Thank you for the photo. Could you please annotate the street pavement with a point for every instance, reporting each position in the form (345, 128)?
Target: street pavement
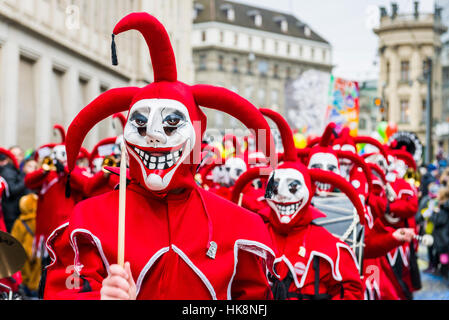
(434, 287)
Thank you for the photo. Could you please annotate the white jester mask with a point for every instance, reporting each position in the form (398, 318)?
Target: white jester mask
(59, 153)
(160, 137)
(327, 162)
(234, 168)
(287, 193)
(219, 174)
(345, 164)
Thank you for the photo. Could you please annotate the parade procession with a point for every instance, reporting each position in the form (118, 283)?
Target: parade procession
(160, 208)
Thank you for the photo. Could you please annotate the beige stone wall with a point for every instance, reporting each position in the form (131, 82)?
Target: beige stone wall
(67, 47)
(406, 39)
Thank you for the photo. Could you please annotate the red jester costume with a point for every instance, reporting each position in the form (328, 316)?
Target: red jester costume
(182, 242)
(50, 185)
(311, 263)
(393, 207)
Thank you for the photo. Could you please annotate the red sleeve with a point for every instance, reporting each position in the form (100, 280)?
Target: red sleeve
(63, 283)
(350, 286)
(250, 281)
(34, 180)
(94, 182)
(379, 240)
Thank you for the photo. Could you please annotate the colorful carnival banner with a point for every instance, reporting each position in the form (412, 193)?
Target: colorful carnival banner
(306, 101)
(343, 107)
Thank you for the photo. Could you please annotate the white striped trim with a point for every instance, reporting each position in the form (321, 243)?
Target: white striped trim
(47, 186)
(196, 270)
(254, 247)
(97, 243)
(47, 243)
(148, 266)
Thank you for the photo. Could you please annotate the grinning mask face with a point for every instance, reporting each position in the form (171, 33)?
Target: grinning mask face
(345, 164)
(59, 154)
(326, 162)
(234, 168)
(287, 193)
(159, 136)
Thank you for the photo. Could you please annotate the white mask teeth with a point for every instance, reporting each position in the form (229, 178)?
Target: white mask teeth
(159, 162)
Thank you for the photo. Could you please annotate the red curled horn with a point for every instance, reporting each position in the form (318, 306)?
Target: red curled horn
(158, 42)
(343, 185)
(11, 156)
(121, 118)
(313, 142)
(374, 167)
(359, 161)
(61, 131)
(244, 179)
(224, 100)
(373, 142)
(303, 155)
(286, 134)
(107, 104)
(404, 156)
(328, 134)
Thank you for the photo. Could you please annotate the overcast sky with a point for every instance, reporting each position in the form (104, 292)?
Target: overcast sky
(347, 25)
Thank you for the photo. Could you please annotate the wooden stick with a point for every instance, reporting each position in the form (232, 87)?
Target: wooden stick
(240, 199)
(122, 209)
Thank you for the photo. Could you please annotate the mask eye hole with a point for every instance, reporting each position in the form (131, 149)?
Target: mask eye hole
(294, 186)
(172, 122)
(140, 122)
(317, 166)
(238, 172)
(331, 167)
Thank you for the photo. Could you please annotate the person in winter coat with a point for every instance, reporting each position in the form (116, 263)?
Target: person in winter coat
(423, 219)
(440, 219)
(9, 170)
(23, 230)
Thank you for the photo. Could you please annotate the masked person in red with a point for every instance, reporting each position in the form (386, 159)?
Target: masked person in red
(311, 262)
(181, 242)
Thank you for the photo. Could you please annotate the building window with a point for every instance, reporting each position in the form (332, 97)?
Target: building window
(405, 112)
(250, 67)
(276, 71)
(250, 42)
(324, 55)
(221, 36)
(231, 14)
(261, 96)
(236, 39)
(300, 51)
(405, 71)
(276, 47)
(263, 67)
(423, 111)
(275, 98)
(284, 26)
(388, 72)
(288, 49)
(221, 63)
(235, 65)
(203, 36)
(362, 124)
(249, 92)
(288, 72)
(202, 65)
(258, 20)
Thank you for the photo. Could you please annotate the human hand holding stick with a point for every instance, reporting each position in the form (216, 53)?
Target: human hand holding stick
(120, 285)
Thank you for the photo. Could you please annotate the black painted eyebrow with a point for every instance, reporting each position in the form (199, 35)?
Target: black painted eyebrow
(138, 116)
(177, 114)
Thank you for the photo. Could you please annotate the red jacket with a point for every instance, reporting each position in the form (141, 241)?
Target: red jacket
(53, 207)
(166, 244)
(339, 277)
